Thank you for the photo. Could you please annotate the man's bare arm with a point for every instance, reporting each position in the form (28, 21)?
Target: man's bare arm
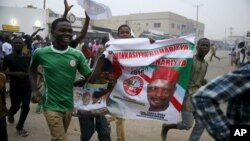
(67, 9)
(83, 31)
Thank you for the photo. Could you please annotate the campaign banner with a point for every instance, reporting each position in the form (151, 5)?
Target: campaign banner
(95, 10)
(86, 104)
(151, 78)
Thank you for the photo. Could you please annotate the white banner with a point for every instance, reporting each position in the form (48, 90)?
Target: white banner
(95, 10)
(152, 78)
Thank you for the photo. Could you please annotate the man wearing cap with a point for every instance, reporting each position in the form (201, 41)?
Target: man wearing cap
(161, 88)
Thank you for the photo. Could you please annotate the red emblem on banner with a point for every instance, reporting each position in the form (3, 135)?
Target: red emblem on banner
(133, 85)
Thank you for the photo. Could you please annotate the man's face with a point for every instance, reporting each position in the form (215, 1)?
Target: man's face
(203, 47)
(124, 32)
(63, 33)
(17, 44)
(159, 93)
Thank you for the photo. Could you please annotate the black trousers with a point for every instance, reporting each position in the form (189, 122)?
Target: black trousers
(3, 129)
(20, 98)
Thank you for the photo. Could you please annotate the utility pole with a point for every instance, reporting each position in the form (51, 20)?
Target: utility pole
(44, 4)
(225, 44)
(231, 32)
(197, 22)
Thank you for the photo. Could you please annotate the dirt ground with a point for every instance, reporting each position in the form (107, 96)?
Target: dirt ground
(135, 130)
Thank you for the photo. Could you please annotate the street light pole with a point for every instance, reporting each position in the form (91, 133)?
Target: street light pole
(44, 4)
(197, 23)
(225, 44)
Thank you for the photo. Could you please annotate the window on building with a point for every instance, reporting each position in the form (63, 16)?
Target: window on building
(183, 26)
(54, 15)
(201, 32)
(172, 25)
(157, 24)
(178, 27)
(50, 14)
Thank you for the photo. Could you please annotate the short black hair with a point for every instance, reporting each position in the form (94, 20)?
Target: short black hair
(201, 40)
(16, 37)
(241, 44)
(124, 25)
(56, 21)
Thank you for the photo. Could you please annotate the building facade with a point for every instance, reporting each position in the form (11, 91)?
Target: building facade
(22, 20)
(29, 19)
(167, 23)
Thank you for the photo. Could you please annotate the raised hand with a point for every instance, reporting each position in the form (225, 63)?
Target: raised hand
(67, 6)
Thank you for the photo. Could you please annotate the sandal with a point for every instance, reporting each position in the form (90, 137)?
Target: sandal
(22, 132)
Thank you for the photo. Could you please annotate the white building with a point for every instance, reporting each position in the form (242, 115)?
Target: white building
(23, 20)
(28, 20)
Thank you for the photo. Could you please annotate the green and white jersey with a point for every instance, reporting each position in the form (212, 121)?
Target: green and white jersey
(59, 72)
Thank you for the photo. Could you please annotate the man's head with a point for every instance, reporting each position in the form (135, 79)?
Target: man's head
(17, 44)
(241, 44)
(124, 31)
(62, 32)
(203, 47)
(161, 88)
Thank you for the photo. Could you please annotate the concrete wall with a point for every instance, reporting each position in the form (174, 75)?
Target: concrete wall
(26, 19)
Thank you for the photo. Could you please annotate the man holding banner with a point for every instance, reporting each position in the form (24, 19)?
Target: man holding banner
(196, 80)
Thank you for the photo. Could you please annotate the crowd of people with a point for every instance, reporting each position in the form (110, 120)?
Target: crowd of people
(22, 58)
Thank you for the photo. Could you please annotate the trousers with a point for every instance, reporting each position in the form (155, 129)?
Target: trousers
(187, 122)
(88, 126)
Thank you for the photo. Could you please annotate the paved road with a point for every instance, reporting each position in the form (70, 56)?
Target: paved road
(136, 130)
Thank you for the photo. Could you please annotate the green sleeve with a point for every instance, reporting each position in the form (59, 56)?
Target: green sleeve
(35, 59)
(83, 67)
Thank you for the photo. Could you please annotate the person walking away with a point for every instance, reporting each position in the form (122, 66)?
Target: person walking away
(15, 66)
(213, 53)
(196, 80)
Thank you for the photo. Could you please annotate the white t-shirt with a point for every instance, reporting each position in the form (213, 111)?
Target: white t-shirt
(7, 48)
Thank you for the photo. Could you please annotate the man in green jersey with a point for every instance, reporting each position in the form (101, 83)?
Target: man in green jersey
(60, 64)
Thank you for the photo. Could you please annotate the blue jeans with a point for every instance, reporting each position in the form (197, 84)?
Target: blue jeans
(187, 122)
(88, 125)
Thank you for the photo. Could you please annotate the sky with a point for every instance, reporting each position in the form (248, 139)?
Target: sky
(221, 17)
